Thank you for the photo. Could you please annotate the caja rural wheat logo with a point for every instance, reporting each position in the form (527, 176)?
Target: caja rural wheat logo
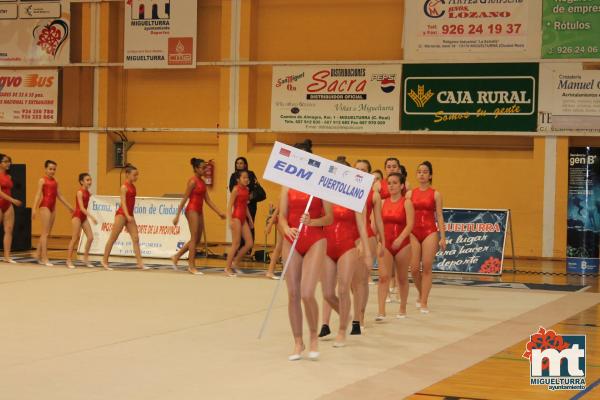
(556, 361)
(420, 97)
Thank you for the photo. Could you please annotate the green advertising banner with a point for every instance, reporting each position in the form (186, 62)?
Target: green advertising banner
(571, 29)
(470, 97)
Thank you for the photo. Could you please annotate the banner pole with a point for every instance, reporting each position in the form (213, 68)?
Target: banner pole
(512, 241)
(285, 267)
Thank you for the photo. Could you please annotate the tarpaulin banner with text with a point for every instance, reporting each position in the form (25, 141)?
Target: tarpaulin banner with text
(318, 176)
(28, 96)
(160, 34)
(159, 238)
(571, 29)
(34, 32)
(576, 100)
(474, 29)
(583, 211)
(470, 97)
(351, 98)
(475, 241)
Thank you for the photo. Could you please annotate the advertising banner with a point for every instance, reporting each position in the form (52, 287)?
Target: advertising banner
(583, 211)
(474, 29)
(349, 98)
(29, 96)
(475, 241)
(576, 100)
(470, 97)
(571, 29)
(34, 32)
(160, 34)
(318, 176)
(159, 238)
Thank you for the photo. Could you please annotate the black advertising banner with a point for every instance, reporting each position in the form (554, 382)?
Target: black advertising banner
(475, 241)
(470, 97)
(583, 211)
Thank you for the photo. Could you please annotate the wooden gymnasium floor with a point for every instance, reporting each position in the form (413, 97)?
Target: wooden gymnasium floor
(93, 334)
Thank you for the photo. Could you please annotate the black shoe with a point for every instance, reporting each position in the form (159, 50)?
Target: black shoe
(355, 328)
(325, 331)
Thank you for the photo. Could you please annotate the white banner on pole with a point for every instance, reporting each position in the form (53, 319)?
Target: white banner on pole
(318, 176)
(159, 238)
(29, 96)
(160, 33)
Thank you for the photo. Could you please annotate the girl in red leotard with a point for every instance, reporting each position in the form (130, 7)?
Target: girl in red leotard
(7, 212)
(373, 219)
(398, 218)
(304, 268)
(425, 240)
(240, 222)
(124, 218)
(344, 261)
(79, 221)
(197, 194)
(45, 202)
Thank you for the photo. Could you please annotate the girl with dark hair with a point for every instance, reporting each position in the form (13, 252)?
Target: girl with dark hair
(241, 164)
(45, 202)
(378, 175)
(398, 219)
(7, 212)
(124, 218)
(240, 222)
(425, 240)
(197, 194)
(304, 265)
(79, 221)
(344, 261)
(373, 219)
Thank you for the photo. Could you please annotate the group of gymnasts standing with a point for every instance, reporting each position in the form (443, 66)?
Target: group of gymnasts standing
(48, 193)
(401, 227)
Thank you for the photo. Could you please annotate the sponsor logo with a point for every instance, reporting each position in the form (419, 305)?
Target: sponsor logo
(434, 8)
(387, 81)
(35, 80)
(150, 9)
(438, 9)
(285, 152)
(291, 169)
(314, 163)
(288, 81)
(332, 169)
(420, 97)
(358, 178)
(556, 361)
(181, 51)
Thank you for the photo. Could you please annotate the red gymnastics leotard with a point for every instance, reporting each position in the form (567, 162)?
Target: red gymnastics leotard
(394, 222)
(129, 199)
(6, 185)
(370, 232)
(342, 234)
(384, 192)
(86, 200)
(241, 203)
(197, 196)
(309, 234)
(49, 191)
(424, 203)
